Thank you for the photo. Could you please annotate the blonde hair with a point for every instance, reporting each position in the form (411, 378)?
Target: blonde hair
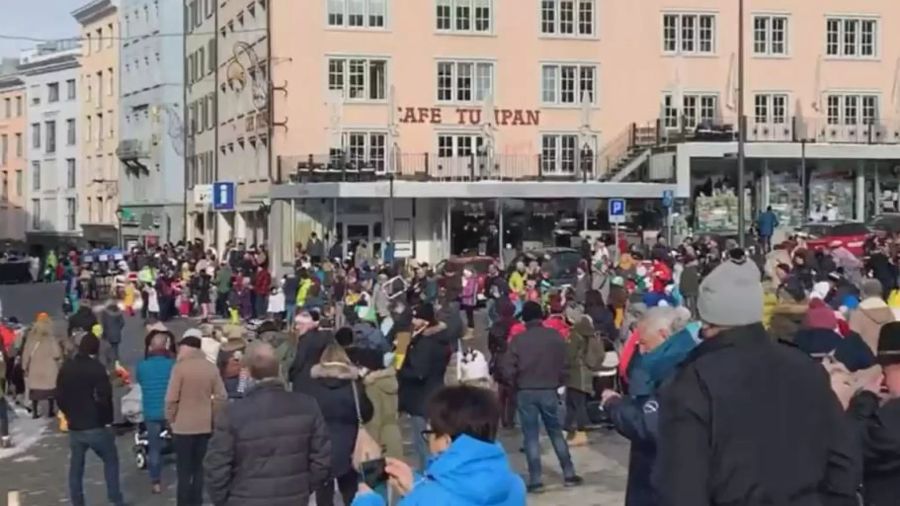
(334, 353)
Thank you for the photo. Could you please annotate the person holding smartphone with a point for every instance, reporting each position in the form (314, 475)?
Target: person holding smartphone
(468, 465)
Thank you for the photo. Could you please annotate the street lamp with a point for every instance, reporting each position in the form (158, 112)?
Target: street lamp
(741, 128)
(119, 214)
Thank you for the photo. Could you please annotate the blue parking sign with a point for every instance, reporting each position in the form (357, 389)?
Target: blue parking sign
(616, 210)
(223, 196)
(668, 198)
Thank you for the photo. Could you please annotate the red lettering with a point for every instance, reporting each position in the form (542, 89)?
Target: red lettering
(505, 116)
(423, 114)
(519, 118)
(534, 117)
(475, 116)
(461, 119)
(436, 116)
(409, 115)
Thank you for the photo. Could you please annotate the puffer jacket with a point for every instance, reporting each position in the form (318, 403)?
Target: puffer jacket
(270, 448)
(382, 390)
(332, 388)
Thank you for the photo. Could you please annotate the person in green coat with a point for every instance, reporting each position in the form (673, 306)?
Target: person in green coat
(580, 383)
(223, 287)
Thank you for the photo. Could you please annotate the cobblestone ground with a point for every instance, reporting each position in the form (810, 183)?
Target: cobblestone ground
(37, 466)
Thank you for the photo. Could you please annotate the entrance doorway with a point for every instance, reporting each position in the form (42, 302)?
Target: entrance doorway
(361, 230)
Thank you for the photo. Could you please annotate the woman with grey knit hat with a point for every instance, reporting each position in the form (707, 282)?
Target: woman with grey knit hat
(747, 419)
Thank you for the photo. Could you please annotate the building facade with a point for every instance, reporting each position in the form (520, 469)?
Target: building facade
(545, 105)
(201, 65)
(13, 215)
(151, 144)
(51, 72)
(242, 114)
(97, 211)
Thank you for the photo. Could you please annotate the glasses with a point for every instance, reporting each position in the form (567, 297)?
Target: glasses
(426, 434)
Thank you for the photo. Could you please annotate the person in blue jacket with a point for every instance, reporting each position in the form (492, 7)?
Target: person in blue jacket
(153, 374)
(766, 225)
(468, 466)
(664, 342)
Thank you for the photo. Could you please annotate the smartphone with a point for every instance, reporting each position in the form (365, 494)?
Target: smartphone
(373, 473)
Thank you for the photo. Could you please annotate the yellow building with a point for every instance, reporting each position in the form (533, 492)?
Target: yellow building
(98, 200)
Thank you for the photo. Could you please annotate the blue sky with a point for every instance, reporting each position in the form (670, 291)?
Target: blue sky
(36, 18)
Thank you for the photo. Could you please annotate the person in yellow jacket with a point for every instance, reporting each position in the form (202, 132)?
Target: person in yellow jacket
(517, 280)
(303, 290)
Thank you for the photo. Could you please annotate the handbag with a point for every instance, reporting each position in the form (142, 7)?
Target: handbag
(365, 448)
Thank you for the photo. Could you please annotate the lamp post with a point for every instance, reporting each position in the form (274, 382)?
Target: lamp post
(741, 128)
(119, 214)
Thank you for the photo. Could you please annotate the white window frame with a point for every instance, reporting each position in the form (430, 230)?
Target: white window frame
(369, 135)
(367, 92)
(368, 14)
(473, 6)
(763, 38)
(556, 100)
(476, 140)
(767, 114)
(552, 28)
(861, 102)
(843, 47)
(554, 166)
(696, 30)
(476, 76)
(681, 113)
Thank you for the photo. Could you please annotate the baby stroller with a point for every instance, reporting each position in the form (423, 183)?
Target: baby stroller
(141, 446)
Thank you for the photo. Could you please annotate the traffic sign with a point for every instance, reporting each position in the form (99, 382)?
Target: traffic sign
(668, 198)
(617, 210)
(223, 196)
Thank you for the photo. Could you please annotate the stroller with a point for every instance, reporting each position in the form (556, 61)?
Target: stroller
(141, 446)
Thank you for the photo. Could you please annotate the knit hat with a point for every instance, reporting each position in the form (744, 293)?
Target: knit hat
(731, 295)
(192, 341)
(89, 345)
(820, 316)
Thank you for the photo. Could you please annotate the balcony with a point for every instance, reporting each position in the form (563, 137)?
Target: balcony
(788, 129)
(130, 152)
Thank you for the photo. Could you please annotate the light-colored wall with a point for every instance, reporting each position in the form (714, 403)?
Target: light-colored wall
(54, 190)
(12, 205)
(628, 49)
(100, 166)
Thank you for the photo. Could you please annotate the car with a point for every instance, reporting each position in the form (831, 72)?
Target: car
(455, 264)
(851, 235)
(885, 224)
(561, 263)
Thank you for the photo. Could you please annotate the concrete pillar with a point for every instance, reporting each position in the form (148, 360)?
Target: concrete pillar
(764, 186)
(860, 192)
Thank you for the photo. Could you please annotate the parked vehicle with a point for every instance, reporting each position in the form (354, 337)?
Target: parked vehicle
(887, 223)
(560, 263)
(851, 235)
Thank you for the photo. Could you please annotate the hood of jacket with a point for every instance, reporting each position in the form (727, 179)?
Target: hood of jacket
(476, 473)
(384, 380)
(334, 374)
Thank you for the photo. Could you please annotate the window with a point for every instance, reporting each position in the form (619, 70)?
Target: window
(50, 126)
(7, 108)
(472, 16)
(770, 35)
(568, 84)
(70, 173)
(464, 81)
(695, 108)
(770, 108)
(109, 31)
(53, 92)
(18, 106)
(568, 18)
(357, 13)
(70, 89)
(89, 131)
(70, 132)
(561, 154)
(36, 135)
(70, 214)
(4, 191)
(20, 183)
(461, 145)
(851, 37)
(35, 93)
(109, 78)
(19, 145)
(367, 149)
(852, 109)
(36, 214)
(359, 79)
(689, 33)
(99, 128)
(35, 175)
(4, 148)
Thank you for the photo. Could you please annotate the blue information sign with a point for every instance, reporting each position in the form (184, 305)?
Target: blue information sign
(223, 196)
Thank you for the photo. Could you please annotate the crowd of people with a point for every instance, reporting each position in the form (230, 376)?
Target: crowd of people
(738, 376)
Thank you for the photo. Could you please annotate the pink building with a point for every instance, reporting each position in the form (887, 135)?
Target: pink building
(13, 215)
(403, 121)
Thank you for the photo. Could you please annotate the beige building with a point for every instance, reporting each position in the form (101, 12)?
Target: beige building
(99, 120)
(12, 153)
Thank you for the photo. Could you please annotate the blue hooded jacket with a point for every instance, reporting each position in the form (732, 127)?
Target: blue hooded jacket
(469, 473)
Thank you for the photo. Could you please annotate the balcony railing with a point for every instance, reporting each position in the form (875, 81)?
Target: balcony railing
(787, 129)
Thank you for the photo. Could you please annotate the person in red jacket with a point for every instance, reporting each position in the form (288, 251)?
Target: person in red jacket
(556, 320)
(262, 283)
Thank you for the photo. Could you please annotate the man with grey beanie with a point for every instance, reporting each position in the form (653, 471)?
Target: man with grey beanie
(747, 419)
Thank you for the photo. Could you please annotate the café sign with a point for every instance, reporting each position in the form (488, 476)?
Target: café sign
(468, 116)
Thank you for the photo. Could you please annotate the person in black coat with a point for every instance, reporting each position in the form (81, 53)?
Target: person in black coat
(747, 419)
(422, 371)
(113, 323)
(310, 345)
(272, 447)
(342, 398)
(83, 319)
(877, 423)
